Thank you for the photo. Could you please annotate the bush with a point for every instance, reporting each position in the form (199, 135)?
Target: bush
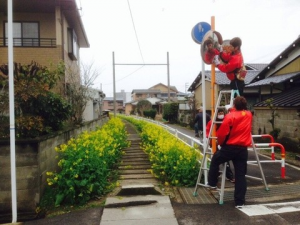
(86, 163)
(173, 162)
(150, 113)
(38, 111)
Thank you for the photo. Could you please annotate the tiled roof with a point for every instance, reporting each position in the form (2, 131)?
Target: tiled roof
(145, 91)
(282, 56)
(274, 79)
(222, 79)
(256, 66)
(289, 98)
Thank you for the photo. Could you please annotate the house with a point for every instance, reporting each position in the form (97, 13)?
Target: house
(93, 109)
(157, 95)
(108, 104)
(45, 32)
(159, 90)
(280, 81)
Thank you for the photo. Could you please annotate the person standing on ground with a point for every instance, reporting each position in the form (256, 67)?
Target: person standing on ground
(198, 122)
(233, 65)
(220, 117)
(234, 136)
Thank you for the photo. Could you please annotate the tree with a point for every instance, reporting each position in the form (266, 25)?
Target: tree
(78, 87)
(275, 131)
(143, 105)
(170, 112)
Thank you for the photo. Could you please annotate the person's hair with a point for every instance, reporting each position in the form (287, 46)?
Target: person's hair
(240, 103)
(221, 111)
(208, 41)
(236, 42)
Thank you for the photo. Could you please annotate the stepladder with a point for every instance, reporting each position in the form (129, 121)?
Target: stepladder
(224, 102)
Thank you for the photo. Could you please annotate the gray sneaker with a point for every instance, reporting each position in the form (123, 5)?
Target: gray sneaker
(210, 186)
(239, 206)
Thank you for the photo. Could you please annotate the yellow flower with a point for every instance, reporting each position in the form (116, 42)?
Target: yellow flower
(166, 183)
(76, 176)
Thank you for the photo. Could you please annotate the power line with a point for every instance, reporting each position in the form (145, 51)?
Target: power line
(135, 31)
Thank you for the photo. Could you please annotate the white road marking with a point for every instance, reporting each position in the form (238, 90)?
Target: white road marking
(265, 209)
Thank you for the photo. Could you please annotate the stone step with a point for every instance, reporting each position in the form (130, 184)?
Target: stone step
(133, 150)
(146, 166)
(137, 159)
(135, 163)
(133, 171)
(138, 181)
(136, 176)
(130, 156)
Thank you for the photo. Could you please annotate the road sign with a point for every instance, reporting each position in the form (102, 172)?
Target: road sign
(199, 30)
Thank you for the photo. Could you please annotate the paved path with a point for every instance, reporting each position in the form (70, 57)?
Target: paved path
(138, 200)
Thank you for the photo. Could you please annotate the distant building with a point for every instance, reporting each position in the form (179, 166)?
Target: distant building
(93, 109)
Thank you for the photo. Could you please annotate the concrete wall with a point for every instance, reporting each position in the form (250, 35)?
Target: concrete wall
(33, 159)
(288, 121)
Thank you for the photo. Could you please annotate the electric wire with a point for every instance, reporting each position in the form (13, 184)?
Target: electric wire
(135, 31)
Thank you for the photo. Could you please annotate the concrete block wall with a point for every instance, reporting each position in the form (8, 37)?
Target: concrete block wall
(33, 159)
(288, 121)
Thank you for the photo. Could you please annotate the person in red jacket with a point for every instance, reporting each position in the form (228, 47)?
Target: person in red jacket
(233, 64)
(234, 136)
(211, 52)
(220, 117)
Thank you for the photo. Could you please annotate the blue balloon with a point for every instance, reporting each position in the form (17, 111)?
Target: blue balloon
(199, 30)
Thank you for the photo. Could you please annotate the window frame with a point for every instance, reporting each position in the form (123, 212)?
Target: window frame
(22, 40)
(73, 47)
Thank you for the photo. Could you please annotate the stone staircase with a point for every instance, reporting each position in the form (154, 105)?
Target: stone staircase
(139, 199)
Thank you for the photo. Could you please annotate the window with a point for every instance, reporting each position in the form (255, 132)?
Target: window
(24, 34)
(72, 44)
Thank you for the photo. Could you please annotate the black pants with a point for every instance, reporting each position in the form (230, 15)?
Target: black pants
(238, 85)
(239, 157)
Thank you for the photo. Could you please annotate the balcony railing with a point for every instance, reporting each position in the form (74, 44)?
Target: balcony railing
(29, 42)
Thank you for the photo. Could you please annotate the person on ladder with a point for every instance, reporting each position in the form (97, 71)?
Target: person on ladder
(220, 117)
(234, 136)
(233, 65)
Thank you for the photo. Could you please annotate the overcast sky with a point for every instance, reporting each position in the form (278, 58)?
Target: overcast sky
(143, 31)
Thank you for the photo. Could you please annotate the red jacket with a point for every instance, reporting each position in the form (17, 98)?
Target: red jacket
(236, 124)
(209, 55)
(232, 63)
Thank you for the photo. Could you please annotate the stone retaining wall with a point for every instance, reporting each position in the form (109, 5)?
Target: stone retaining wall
(33, 159)
(288, 122)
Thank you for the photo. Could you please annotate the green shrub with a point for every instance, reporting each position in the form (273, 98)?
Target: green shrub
(173, 162)
(170, 112)
(86, 163)
(150, 113)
